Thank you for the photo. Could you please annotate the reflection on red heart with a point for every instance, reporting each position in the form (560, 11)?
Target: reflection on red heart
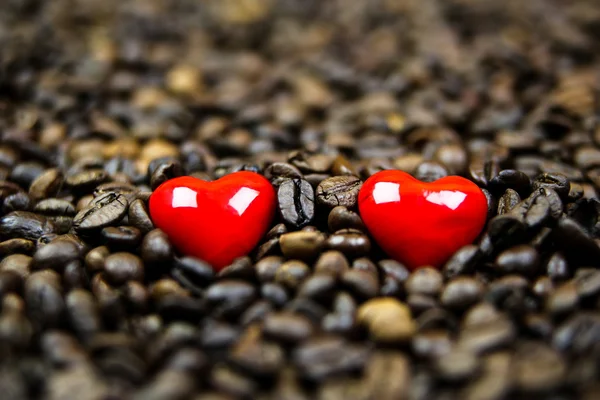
(420, 223)
(215, 221)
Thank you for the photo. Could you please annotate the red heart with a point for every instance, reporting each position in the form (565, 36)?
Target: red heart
(420, 223)
(215, 221)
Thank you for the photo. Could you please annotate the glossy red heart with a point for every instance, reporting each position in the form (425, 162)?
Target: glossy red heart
(420, 223)
(215, 221)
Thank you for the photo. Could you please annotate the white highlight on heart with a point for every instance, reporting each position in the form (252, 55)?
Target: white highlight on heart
(242, 199)
(386, 192)
(449, 198)
(184, 197)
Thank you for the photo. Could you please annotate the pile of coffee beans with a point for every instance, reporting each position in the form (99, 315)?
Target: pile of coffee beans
(102, 101)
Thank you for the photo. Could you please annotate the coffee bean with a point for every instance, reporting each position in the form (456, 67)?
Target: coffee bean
(520, 259)
(296, 202)
(457, 365)
(486, 337)
(302, 245)
(86, 181)
(102, 211)
(156, 248)
(350, 242)
(427, 281)
(230, 297)
(26, 225)
(17, 263)
(388, 320)
(121, 237)
(342, 218)
(164, 171)
(578, 335)
(55, 255)
(511, 179)
(324, 357)
(16, 246)
(461, 292)
(94, 260)
(83, 313)
(557, 182)
(361, 283)
(429, 171)
(291, 274)
(287, 328)
(462, 262)
(279, 172)
(122, 267)
(54, 207)
(538, 368)
(318, 286)
(138, 216)
(267, 267)
(332, 262)
(46, 185)
(45, 304)
(19, 201)
(508, 201)
(563, 300)
(256, 357)
(338, 191)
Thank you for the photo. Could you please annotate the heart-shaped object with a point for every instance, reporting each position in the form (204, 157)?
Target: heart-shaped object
(215, 221)
(419, 223)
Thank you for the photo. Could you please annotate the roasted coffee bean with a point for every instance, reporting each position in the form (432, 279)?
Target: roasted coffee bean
(16, 246)
(287, 328)
(138, 216)
(256, 357)
(520, 259)
(102, 211)
(94, 260)
(230, 297)
(46, 185)
(338, 191)
(122, 267)
(427, 281)
(291, 274)
(349, 242)
(55, 207)
(318, 286)
(55, 255)
(508, 201)
(511, 179)
(45, 304)
(578, 335)
(163, 172)
(279, 173)
(332, 262)
(25, 225)
(486, 337)
(321, 358)
(19, 201)
(296, 200)
(125, 189)
(462, 262)
(557, 267)
(557, 182)
(121, 237)
(83, 313)
(86, 181)
(429, 171)
(576, 245)
(461, 292)
(538, 368)
(10, 282)
(274, 293)
(156, 248)
(267, 267)
(431, 344)
(387, 319)
(361, 283)
(342, 218)
(17, 263)
(457, 365)
(302, 245)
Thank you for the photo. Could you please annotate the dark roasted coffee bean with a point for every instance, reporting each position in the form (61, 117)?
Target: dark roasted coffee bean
(121, 237)
(318, 286)
(431, 344)
(287, 328)
(10, 282)
(296, 200)
(427, 281)
(462, 262)
(25, 225)
(349, 242)
(256, 357)
(512, 179)
(19, 201)
(557, 182)
(486, 337)
(46, 185)
(138, 216)
(156, 248)
(429, 171)
(538, 368)
(267, 267)
(482, 172)
(94, 260)
(122, 267)
(332, 262)
(302, 245)
(508, 201)
(324, 357)
(83, 313)
(578, 335)
(395, 269)
(55, 207)
(361, 283)
(291, 274)
(16, 246)
(563, 299)
(339, 191)
(163, 172)
(102, 211)
(342, 218)
(576, 245)
(274, 293)
(230, 297)
(278, 173)
(256, 312)
(17, 263)
(461, 292)
(86, 181)
(45, 304)
(587, 281)
(55, 255)
(125, 189)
